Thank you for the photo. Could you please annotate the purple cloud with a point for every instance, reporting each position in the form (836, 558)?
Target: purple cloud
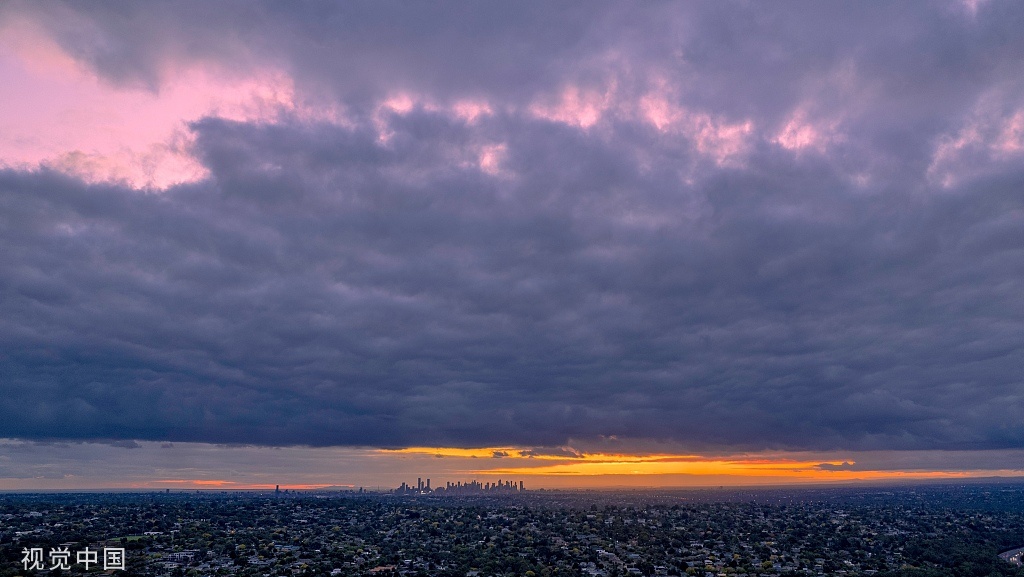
(727, 227)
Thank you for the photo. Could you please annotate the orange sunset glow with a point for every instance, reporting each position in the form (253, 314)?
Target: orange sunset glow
(568, 467)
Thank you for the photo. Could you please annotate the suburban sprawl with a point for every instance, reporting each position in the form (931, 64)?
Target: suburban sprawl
(955, 530)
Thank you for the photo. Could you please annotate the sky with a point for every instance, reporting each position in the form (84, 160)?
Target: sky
(581, 244)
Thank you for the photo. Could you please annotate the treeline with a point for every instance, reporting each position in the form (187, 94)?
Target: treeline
(969, 555)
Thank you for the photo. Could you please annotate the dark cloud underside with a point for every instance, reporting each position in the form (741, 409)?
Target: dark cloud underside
(328, 285)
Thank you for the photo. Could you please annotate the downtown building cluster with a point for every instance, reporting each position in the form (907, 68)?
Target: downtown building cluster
(473, 487)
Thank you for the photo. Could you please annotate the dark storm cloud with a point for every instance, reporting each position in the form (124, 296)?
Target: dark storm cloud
(564, 452)
(737, 59)
(380, 286)
(358, 49)
(844, 466)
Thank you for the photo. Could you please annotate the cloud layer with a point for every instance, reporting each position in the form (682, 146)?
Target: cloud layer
(726, 227)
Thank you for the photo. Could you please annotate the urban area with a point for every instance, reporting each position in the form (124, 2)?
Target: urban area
(491, 529)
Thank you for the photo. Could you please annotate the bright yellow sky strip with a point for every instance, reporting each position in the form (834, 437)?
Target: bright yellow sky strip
(519, 462)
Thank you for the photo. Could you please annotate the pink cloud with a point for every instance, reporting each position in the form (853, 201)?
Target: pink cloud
(803, 133)
(712, 136)
(1011, 137)
(60, 114)
(490, 158)
(987, 136)
(576, 106)
(471, 110)
(657, 110)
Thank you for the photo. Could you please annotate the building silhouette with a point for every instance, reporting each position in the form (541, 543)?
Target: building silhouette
(473, 487)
